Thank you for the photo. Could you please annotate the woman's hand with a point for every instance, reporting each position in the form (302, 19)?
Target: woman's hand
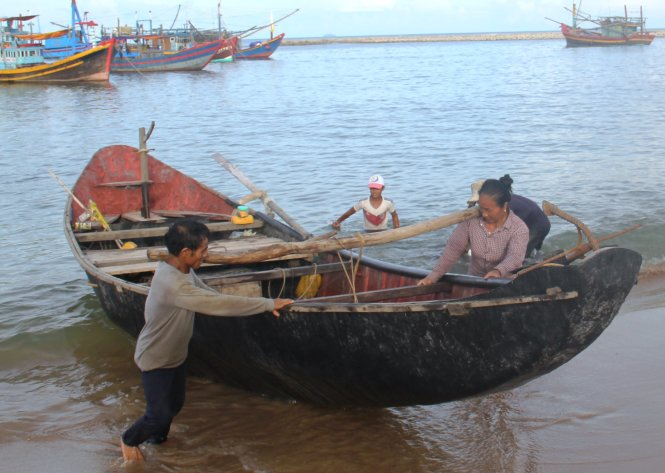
(426, 281)
(336, 224)
(493, 274)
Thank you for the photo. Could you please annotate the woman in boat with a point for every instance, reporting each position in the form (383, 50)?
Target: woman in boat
(176, 293)
(497, 239)
(375, 208)
(526, 209)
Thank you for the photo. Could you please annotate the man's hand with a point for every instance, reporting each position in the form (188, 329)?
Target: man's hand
(279, 304)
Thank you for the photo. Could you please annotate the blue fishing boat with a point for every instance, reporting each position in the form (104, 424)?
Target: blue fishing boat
(75, 39)
(260, 49)
(151, 54)
(22, 59)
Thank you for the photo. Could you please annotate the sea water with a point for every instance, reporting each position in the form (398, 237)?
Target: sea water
(581, 128)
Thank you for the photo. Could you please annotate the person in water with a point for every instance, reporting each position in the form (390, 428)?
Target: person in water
(497, 238)
(176, 293)
(375, 208)
(526, 209)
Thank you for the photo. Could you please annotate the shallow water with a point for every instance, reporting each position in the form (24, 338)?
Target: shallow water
(581, 128)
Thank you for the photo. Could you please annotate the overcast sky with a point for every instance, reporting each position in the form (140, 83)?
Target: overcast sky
(317, 18)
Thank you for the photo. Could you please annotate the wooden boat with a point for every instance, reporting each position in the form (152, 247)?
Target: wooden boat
(259, 50)
(21, 58)
(155, 58)
(367, 335)
(609, 30)
(225, 53)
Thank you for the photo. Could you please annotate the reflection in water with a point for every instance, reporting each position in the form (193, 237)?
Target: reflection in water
(481, 434)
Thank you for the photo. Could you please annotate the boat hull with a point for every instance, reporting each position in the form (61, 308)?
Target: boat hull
(576, 38)
(92, 65)
(225, 53)
(262, 51)
(191, 59)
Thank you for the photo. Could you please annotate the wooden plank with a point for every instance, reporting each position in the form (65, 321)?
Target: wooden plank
(273, 274)
(117, 262)
(191, 213)
(122, 184)
(159, 231)
(150, 266)
(455, 308)
(386, 294)
(116, 256)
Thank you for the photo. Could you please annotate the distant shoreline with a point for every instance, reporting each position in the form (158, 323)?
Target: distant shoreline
(430, 38)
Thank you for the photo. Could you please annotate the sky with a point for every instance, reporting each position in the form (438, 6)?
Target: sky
(317, 18)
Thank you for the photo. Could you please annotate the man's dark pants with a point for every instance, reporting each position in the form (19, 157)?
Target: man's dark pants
(164, 391)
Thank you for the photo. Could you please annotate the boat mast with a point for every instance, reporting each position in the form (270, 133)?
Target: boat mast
(272, 26)
(76, 19)
(219, 19)
(574, 16)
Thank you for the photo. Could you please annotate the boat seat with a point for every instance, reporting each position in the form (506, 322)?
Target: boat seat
(158, 231)
(116, 261)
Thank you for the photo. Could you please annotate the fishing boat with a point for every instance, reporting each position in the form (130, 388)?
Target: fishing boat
(259, 49)
(225, 53)
(608, 30)
(22, 60)
(75, 39)
(362, 332)
(153, 53)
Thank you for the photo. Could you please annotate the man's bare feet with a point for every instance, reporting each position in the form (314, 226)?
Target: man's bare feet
(131, 453)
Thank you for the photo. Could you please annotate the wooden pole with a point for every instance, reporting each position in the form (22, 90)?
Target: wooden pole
(334, 244)
(267, 201)
(143, 157)
(550, 209)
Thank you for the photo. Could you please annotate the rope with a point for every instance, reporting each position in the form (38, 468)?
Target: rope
(354, 269)
(281, 290)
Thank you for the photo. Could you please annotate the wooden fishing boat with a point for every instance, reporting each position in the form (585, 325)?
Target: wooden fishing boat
(21, 58)
(225, 53)
(155, 58)
(362, 333)
(607, 30)
(259, 49)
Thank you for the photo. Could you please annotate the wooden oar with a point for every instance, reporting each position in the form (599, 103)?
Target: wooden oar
(577, 251)
(334, 244)
(550, 209)
(258, 193)
(93, 211)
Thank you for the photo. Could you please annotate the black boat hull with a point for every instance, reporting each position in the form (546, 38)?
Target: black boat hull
(397, 358)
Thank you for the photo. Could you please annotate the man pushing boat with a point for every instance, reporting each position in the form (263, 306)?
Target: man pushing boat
(175, 295)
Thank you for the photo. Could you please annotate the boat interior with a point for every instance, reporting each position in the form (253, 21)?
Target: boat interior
(331, 277)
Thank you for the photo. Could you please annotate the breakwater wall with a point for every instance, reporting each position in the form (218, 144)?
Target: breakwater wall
(538, 35)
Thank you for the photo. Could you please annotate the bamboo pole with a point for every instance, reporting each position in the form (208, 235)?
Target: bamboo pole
(333, 244)
(267, 201)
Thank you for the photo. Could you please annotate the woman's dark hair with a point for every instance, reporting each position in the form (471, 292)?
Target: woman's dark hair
(507, 181)
(185, 234)
(497, 190)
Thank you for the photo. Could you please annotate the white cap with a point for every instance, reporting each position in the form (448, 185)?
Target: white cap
(475, 188)
(376, 182)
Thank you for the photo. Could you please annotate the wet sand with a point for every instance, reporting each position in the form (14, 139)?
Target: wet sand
(426, 38)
